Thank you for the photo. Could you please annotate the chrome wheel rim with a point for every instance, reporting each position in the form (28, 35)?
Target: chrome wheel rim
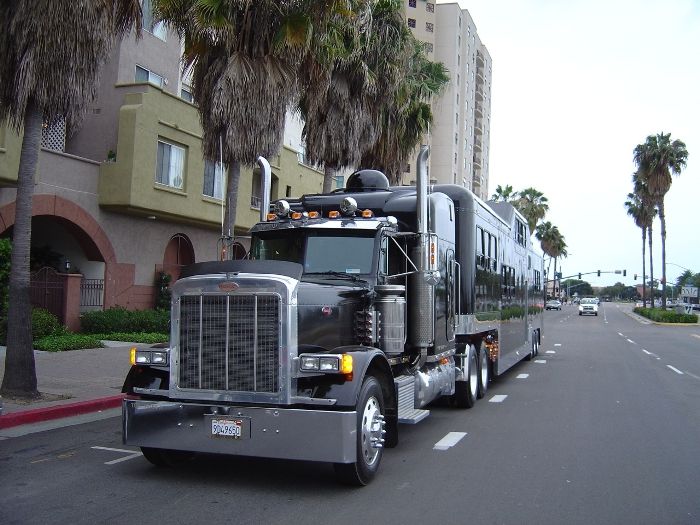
(372, 430)
(484, 368)
(473, 377)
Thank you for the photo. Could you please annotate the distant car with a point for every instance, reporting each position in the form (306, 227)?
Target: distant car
(552, 305)
(588, 306)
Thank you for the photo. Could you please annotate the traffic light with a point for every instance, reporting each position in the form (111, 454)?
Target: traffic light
(598, 273)
(624, 273)
(579, 277)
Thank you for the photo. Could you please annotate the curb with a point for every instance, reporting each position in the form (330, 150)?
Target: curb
(59, 411)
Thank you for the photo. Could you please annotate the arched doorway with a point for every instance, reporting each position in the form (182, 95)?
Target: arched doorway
(178, 253)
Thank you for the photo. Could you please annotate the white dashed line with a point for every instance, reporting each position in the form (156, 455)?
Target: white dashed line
(541, 361)
(498, 398)
(550, 352)
(522, 376)
(647, 352)
(557, 344)
(450, 440)
(620, 334)
(132, 454)
(630, 341)
(675, 369)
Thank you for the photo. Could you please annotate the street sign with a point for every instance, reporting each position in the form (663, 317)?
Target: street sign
(689, 291)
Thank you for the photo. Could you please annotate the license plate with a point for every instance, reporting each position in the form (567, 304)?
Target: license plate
(231, 428)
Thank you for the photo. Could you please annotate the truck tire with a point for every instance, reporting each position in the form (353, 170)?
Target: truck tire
(466, 392)
(370, 432)
(161, 457)
(484, 372)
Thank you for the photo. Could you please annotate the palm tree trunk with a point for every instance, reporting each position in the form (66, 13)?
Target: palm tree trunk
(651, 269)
(20, 369)
(555, 279)
(234, 178)
(644, 262)
(328, 178)
(662, 218)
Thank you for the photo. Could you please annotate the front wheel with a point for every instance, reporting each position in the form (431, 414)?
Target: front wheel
(370, 436)
(466, 392)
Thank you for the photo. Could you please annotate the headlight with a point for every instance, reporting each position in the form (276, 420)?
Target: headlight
(149, 356)
(326, 363)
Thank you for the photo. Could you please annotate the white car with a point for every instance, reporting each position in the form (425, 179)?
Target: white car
(588, 306)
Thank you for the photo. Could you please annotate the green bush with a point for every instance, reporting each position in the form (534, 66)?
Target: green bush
(58, 343)
(120, 319)
(140, 337)
(660, 315)
(45, 323)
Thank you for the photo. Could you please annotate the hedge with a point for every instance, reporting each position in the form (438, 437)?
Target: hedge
(120, 319)
(665, 316)
(58, 343)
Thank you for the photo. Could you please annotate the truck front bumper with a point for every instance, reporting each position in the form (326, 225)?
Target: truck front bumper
(284, 433)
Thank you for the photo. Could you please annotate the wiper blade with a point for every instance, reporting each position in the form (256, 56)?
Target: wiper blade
(341, 275)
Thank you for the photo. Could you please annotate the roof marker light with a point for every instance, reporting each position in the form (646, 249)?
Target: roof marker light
(333, 214)
(314, 215)
(367, 214)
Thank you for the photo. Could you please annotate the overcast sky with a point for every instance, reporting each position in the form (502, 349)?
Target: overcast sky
(577, 84)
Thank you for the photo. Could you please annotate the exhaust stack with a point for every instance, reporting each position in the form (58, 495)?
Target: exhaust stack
(265, 184)
(422, 290)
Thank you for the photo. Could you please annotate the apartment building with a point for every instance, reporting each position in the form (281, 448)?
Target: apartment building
(128, 194)
(459, 137)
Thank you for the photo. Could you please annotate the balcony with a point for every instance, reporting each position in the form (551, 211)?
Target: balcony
(477, 164)
(153, 124)
(10, 145)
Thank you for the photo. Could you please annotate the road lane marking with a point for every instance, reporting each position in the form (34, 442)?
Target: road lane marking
(550, 352)
(647, 352)
(522, 376)
(541, 361)
(620, 334)
(498, 398)
(450, 440)
(695, 335)
(557, 344)
(630, 341)
(131, 454)
(675, 370)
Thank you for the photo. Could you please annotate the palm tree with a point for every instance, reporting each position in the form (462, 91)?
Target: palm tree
(49, 61)
(643, 213)
(340, 90)
(657, 159)
(552, 243)
(403, 111)
(503, 194)
(533, 206)
(244, 58)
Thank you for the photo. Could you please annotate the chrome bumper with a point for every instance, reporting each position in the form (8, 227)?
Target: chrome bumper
(283, 433)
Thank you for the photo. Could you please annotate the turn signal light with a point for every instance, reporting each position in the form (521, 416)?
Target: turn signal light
(333, 214)
(314, 215)
(367, 214)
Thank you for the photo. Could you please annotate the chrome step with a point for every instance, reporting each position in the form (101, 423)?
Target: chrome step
(405, 392)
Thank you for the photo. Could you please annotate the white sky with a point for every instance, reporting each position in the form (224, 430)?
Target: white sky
(577, 84)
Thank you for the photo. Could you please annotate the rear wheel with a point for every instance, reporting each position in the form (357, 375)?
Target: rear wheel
(484, 372)
(370, 436)
(161, 457)
(466, 392)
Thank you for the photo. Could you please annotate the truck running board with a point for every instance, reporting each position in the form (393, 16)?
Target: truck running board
(405, 391)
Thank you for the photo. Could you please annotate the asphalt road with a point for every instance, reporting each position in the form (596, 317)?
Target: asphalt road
(604, 427)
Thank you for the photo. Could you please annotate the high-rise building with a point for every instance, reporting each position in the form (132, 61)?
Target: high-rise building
(459, 137)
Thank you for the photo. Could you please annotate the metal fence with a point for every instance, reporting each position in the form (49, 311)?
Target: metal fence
(92, 293)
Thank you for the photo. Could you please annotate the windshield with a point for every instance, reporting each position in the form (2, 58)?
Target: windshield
(588, 301)
(318, 251)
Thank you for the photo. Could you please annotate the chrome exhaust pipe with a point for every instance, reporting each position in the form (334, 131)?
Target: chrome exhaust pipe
(265, 186)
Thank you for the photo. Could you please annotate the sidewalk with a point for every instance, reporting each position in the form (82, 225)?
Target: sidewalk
(71, 383)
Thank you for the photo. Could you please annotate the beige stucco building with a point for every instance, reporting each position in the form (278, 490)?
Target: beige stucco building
(128, 195)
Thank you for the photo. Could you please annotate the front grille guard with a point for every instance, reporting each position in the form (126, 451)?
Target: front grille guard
(241, 375)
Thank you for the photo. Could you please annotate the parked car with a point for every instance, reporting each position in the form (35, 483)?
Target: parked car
(552, 305)
(588, 306)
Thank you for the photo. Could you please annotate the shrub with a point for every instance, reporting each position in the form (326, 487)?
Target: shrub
(45, 323)
(119, 319)
(58, 343)
(665, 316)
(140, 337)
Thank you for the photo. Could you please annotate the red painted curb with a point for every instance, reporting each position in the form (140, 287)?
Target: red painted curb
(58, 411)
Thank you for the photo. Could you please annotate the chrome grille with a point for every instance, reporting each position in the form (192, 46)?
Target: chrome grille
(230, 342)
